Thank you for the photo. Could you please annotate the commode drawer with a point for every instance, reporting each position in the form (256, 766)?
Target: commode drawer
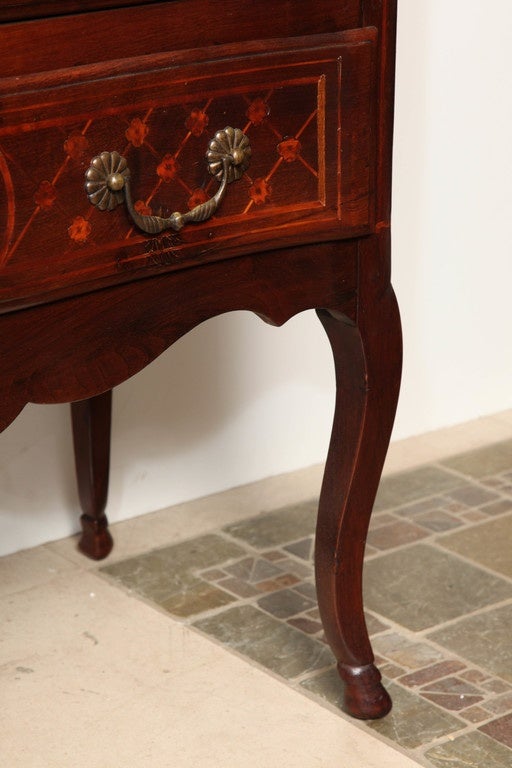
(304, 104)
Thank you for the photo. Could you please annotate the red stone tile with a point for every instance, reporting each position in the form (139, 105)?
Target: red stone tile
(474, 516)
(271, 585)
(452, 693)
(274, 555)
(434, 672)
(308, 626)
(475, 714)
(214, 574)
(454, 685)
(500, 730)
(384, 518)
(238, 587)
(451, 701)
(474, 675)
(391, 671)
(395, 535)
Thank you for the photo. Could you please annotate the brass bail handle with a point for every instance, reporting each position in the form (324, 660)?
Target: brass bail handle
(107, 181)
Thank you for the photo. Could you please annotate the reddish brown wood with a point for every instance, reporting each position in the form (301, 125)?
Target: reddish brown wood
(91, 421)
(367, 357)
(127, 76)
(309, 199)
(114, 333)
(73, 40)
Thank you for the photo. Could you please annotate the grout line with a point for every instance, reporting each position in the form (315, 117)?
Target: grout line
(432, 539)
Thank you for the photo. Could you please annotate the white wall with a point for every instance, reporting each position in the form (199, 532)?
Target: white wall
(237, 400)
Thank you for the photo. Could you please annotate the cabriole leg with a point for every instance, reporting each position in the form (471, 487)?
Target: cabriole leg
(368, 364)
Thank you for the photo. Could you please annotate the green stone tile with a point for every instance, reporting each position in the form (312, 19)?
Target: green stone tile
(408, 653)
(473, 495)
(411, 723)
(164, 572)
(198, 598)
(419, 587)
(437, 521)
(481, 462)
(473, 750)
(253, 569)
(285, 603)
(302, 548)
(307, 588)
(396, 534)
(489, 544)
(407, 487)
(500, 704)
(420, 507)
(498, 507)
(150, 576)
(374, 625)
(238, 587)
(273, 644)
(277, 528)
(483, 639)
(327, 685)
(200, 553)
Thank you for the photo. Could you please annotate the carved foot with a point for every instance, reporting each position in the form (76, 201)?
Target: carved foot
(365, 696)
(96, 541)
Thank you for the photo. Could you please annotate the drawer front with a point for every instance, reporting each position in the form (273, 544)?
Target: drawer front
(306, 106)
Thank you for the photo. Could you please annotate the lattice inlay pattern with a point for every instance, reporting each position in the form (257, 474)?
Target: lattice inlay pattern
(165, 147)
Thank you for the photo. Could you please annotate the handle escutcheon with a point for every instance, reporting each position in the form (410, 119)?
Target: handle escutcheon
(107, 181)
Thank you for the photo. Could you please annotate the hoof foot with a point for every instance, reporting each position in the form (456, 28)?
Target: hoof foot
(365, 696)
(96, 541)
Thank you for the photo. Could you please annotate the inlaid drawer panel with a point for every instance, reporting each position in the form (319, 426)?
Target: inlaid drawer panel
(304, 104)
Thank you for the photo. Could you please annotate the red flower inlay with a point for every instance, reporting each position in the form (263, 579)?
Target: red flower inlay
(136, 132)
(197, 121)
(197, 197)
(79, 230)
(76, 145)
(289, 149)
(45, 195)
(258, 110)
(168, 168)
(141, 207)
(260, 191)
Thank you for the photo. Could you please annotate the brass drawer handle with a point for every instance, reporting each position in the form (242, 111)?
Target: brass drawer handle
(108, 181)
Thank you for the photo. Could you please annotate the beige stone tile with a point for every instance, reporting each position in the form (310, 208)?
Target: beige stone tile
(505, 418)
(433, 446)
(471, 435)
(30, 568)
(93, 677)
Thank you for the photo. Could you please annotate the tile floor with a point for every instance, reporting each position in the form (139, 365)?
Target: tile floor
(206, 649)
